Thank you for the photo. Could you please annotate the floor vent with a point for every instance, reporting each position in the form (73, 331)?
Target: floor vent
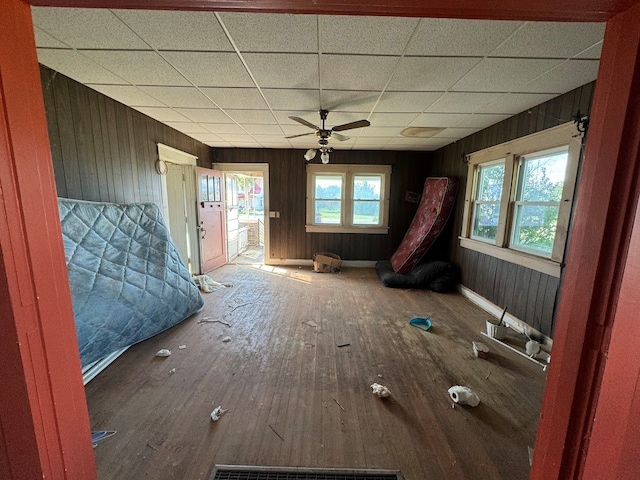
(234, 472)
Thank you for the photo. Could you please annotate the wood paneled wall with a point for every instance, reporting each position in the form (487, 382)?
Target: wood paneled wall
(287, 195)
(103, 150)
(529, 295)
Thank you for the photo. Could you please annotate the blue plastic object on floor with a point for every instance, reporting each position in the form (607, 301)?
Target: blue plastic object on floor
(421, 323)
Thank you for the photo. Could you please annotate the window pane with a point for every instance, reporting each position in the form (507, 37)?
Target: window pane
(366, 187)
(366, 213)
(490, 180)
(543, 177)
(327, 211)
(485, 221)
(535, 227)
(328, 187)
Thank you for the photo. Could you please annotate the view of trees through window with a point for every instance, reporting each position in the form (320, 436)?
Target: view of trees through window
(365, 197)
(539, 184)
(487, 203)
(537, 201)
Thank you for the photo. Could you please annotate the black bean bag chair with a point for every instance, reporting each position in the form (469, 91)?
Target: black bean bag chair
(438, 276)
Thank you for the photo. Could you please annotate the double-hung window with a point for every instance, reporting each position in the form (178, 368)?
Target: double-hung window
(519, 196)
(348, 198)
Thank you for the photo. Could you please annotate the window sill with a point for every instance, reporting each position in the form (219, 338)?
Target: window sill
(543, 265)
(341, 229)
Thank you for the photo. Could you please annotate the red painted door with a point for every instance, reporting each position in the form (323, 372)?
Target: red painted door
(211, 220)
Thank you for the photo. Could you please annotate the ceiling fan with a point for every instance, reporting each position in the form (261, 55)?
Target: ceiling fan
(324, 135)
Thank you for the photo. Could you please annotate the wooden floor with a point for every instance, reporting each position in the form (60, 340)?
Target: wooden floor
(295, 398)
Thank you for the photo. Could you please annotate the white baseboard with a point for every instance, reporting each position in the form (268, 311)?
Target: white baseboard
(309, 263)
(513, 322)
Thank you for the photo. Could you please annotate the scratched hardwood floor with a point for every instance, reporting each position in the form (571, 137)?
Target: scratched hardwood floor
(295, 398)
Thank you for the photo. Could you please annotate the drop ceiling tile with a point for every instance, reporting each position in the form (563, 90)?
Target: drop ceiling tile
(175, 30)
(271, 139)
(373, 131)
(43, 39)
(137, 67)
(283, 70)
(372, 142)
(516, 102)
(187, 127)
(355, 72)
(406, 101)
(275, 145)
(592, 52)
(287, 98)
(210, 69)
(237, 98)
(128, 94)
(551, 40)
(365, 35)
(207, 137)
(205, 115)
(461, 102)
(76, 66)
(236, 137)
(481, 120)
(430, 73)
(218, 144)
(349, 100)
(567, 76)
(392, 119)
(186, 97)
(438, 119)
(449, 37)
(456, 133)
(272, 32)
(264, 117)
(220, 128)
(263, 129)
(162, 114)
(503, 74)
(246, 144)
(86, 28)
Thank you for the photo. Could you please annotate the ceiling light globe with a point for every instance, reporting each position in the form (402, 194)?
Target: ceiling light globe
(310, 154)
(325, 157)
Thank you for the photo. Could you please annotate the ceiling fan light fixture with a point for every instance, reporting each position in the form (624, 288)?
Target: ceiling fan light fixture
(310, 155)
(324, 156)
(421, 132)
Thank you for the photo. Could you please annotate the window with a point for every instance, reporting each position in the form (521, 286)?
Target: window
(486, 205)
(348, 198)
(519, 196)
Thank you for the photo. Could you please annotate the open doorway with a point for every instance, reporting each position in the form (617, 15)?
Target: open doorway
(246, 202)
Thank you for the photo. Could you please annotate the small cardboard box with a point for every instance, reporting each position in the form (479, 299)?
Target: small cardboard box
(326, 262)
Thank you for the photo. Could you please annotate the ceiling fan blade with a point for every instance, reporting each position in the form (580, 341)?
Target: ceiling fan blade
(304, 122)
(349, 126)
(339, 137)
(300, 135)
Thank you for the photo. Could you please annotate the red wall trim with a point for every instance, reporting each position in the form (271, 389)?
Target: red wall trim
(589, 295)
(43, 412)
(558, 10)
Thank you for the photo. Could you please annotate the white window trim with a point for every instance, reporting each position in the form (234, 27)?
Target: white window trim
(348, 171)
(562, 135)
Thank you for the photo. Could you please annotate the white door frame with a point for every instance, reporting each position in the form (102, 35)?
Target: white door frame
(264, 169)
(168, 154)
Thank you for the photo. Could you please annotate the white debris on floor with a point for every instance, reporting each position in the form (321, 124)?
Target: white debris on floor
(380, 390)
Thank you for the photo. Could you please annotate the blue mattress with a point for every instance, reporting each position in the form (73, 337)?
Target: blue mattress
(127, 279)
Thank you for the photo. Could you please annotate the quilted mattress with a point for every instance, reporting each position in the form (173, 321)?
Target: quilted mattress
(127, 279)
(438, 197)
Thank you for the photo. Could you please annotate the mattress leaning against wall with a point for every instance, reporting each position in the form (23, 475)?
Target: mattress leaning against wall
(127, 280)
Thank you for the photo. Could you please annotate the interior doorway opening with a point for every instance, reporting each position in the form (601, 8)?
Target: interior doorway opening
(247, 206)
